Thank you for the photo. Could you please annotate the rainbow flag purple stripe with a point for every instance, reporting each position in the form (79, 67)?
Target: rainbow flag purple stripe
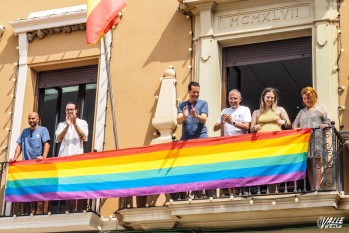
(233, 161)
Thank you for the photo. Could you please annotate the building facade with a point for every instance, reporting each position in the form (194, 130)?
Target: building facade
(127, 88)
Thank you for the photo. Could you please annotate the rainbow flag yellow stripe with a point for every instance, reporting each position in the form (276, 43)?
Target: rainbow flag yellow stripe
(234, 161)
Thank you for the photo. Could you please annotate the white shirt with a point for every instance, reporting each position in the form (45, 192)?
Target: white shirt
(240, 114)
(71, 143)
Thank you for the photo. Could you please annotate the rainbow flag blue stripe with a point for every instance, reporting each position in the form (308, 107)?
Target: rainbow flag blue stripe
(232, 161)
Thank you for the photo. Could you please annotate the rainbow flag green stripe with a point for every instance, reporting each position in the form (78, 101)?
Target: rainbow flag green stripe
(245, 160)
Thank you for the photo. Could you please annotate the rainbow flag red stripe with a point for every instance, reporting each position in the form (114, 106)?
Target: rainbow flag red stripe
(102, 15)
(233, 161)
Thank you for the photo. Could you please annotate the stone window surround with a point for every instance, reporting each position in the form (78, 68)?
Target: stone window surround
(321, 23)
(45, 20)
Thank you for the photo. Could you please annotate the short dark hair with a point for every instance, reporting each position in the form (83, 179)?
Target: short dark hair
(192, 83)
(71, 103)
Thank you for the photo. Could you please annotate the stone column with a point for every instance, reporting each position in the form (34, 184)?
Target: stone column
(325, 55)
(209, 73)
(20, 93)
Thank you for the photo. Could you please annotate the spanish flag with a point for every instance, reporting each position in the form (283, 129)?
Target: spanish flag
(102, 15)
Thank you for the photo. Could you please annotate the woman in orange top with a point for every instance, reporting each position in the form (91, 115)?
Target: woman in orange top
(315, 116)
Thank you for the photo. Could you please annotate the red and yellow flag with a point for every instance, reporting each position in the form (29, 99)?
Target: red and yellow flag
(102, 15)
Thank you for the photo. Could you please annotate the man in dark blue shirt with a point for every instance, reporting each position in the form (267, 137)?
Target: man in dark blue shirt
(34, 142)
(192, 114)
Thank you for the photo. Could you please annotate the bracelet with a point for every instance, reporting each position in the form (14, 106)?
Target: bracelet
(76, 125)
(81, 135)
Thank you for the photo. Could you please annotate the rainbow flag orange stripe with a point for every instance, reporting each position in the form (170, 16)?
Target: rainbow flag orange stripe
(221, 162)
(102, 15)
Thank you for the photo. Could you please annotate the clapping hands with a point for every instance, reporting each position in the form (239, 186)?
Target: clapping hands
(227, 118)
(70, 119)
(193, 112)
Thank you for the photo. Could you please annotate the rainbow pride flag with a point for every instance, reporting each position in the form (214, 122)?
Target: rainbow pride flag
(221, 162)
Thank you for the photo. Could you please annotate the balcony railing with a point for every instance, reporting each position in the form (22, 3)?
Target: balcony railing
(326, 146)
(325, 159)
(51, 207)
(47, 207)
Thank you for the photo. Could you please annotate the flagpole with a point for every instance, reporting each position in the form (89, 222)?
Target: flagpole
(111, 97)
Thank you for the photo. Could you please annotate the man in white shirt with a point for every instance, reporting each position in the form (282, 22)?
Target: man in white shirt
(71, 133)
(236, 119)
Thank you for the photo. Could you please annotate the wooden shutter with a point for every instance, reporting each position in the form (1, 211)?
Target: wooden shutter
(268, 51)
(68, 77)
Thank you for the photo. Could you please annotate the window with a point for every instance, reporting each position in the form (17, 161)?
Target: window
(56, 88)
(285, 65)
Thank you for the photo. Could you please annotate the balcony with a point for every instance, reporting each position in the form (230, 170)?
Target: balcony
(282, 205)
(285, 205)
(54, 216)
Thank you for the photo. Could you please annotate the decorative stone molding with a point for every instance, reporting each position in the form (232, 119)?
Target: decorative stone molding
(238, 212)
(42, 33)
(42, 23)
(147, 218)
(265, 16)
(81, 222)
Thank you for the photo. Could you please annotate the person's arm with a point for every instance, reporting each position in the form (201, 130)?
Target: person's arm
(254, 127)
(18, 151)
(220, 121)
(218, 126)
(240, 125)
(82, 133)
(182, 114)
(61, 132)
(180, 118)
(45, 151)
(326, 122)
(295, 124)
(201, 118)
(284, 117)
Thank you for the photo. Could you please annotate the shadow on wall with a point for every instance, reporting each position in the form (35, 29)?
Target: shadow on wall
(172, 46)
(151, 129)
(174, 42)
(10, 52)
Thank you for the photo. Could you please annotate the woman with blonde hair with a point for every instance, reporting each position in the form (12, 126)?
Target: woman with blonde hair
(269, 116)
(314, 115)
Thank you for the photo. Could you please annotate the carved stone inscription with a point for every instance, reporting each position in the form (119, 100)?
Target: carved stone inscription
(263, 16)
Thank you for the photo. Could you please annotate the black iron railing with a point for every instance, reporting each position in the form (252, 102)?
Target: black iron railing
(45, 207)
(324, 173)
